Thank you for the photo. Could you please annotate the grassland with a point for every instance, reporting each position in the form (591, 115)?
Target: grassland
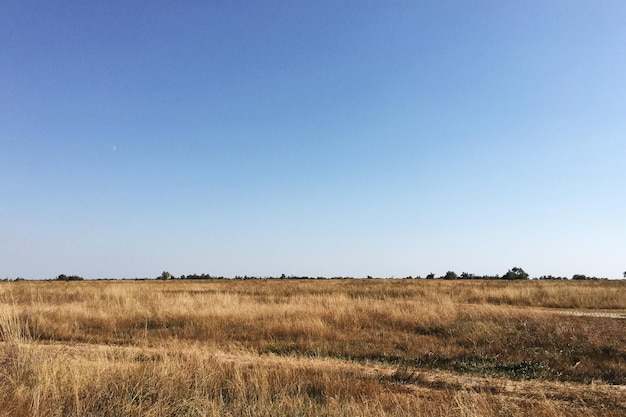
(311, 348)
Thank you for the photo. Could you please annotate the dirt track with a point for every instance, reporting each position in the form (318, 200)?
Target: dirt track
(601, 314)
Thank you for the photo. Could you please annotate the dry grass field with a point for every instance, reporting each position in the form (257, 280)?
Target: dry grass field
(313, 348)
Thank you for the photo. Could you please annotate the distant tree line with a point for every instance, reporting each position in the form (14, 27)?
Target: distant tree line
(582, 277)
(166, 275)
(512, 274)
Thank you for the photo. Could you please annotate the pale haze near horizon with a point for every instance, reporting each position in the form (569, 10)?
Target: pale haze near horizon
(312, 138)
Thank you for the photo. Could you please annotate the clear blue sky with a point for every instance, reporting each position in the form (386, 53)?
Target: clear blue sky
(321, 138)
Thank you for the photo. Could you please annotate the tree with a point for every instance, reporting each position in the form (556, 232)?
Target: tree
(64, 277)
(450, 275)
(515, 273)
(165, 275)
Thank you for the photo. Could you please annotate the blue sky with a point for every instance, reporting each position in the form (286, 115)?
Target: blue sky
(326, 138)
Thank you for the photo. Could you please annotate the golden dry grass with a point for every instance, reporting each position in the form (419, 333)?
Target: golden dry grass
(308, 348)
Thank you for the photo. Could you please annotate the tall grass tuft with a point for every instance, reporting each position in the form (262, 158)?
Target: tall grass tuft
(13, 330)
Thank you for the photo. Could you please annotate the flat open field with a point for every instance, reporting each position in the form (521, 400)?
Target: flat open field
(314, 347)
